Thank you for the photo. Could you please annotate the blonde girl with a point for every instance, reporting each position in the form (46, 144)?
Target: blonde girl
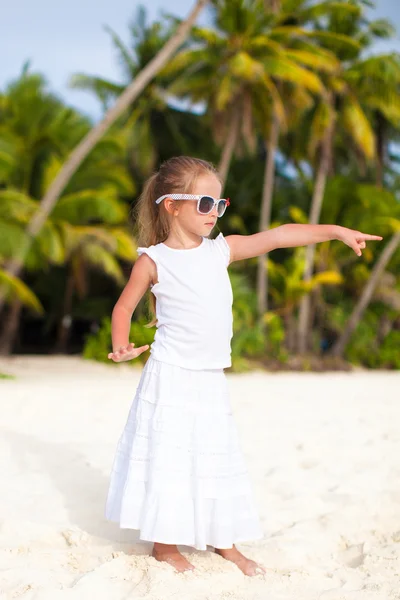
(179, 475)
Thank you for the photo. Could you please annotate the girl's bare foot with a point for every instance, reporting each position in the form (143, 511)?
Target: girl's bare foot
(170, 554)
(247, 566)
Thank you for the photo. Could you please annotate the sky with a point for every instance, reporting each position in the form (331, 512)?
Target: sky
(62, 38)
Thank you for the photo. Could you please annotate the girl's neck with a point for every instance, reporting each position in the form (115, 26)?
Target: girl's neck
(183, 241)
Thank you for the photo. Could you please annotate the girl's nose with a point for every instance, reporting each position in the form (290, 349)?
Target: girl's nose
(214, 212)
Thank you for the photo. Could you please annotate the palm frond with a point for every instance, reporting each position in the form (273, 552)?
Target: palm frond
(336, 41)
(50, 244)
(12, 238)
(316, 60)
(127, 61)
(243, 66)
(287, 70)
(125, 244)
(102, 88)
(77, 236)
(328, 8)
(98, 257)
(16, 206)
(322, 120)
(90, 205)
(16, 288)
(357, 125)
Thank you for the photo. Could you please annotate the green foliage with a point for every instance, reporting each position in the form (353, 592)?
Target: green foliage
(16, 288)
(306, 62)
(389, 355)
(99, 344)
(367, 347)
(364, 348)
(275, 337)
(249, 339)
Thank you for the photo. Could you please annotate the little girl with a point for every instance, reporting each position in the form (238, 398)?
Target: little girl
(179, 475)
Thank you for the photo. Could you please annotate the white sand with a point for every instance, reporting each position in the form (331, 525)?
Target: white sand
(323, 453)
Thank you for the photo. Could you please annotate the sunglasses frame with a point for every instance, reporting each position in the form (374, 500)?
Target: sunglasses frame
(198, 198)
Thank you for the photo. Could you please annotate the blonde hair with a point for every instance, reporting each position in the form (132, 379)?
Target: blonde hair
(152, 223)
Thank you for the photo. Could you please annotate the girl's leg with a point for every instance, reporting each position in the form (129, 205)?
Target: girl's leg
(170, 554)
(247, 566)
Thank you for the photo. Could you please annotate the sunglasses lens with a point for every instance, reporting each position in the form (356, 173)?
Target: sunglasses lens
(221, 207)
(206, 204)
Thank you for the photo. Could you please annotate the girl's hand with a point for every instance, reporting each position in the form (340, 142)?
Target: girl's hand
(356, 239)
(127, 352)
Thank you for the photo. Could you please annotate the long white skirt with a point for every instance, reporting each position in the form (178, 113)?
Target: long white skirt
(179, 475)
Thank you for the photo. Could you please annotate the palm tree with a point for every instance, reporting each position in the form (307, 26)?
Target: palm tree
(343, 106)
(86, 229)
(30, 130)
(382, 207)
(91, 139)
(37, 132)
(234, 68)
(245, 69)
(377, 80)
(151, 119)
(295, 97)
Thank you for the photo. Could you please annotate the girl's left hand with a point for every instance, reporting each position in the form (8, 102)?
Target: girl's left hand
(356, 239)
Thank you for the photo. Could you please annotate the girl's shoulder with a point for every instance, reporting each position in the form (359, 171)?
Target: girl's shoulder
(150, 251)
(222, 247)
(152, 267)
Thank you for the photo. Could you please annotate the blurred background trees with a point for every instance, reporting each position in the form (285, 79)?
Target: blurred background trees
(303, 122)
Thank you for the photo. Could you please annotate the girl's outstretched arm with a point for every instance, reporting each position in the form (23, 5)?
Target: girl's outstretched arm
(294, 234)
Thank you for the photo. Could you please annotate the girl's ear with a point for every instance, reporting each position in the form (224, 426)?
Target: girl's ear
(168, 203)
(171, 206)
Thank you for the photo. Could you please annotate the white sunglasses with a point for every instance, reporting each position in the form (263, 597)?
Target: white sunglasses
(205, 204)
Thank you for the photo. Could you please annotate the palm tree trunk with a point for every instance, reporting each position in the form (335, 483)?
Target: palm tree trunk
(265, 217)
(11, 326)
(365, 298)
(316, 205)
(90, 140)
(380, 150)
(229, 147)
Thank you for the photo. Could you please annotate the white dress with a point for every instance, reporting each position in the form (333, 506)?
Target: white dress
(179, 475)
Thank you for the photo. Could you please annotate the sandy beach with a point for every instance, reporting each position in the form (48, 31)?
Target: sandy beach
(323, 453)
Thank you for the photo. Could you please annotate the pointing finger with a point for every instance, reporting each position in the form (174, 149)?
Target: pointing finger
(367, 236)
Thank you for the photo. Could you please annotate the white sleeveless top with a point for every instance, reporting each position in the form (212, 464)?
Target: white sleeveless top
(193, 304)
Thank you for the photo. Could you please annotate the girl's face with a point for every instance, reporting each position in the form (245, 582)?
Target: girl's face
(186, 210)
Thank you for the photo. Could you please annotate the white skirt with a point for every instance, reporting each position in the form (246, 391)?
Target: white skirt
(179, 475)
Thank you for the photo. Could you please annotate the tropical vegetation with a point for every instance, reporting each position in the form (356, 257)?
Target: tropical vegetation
(302, 117)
